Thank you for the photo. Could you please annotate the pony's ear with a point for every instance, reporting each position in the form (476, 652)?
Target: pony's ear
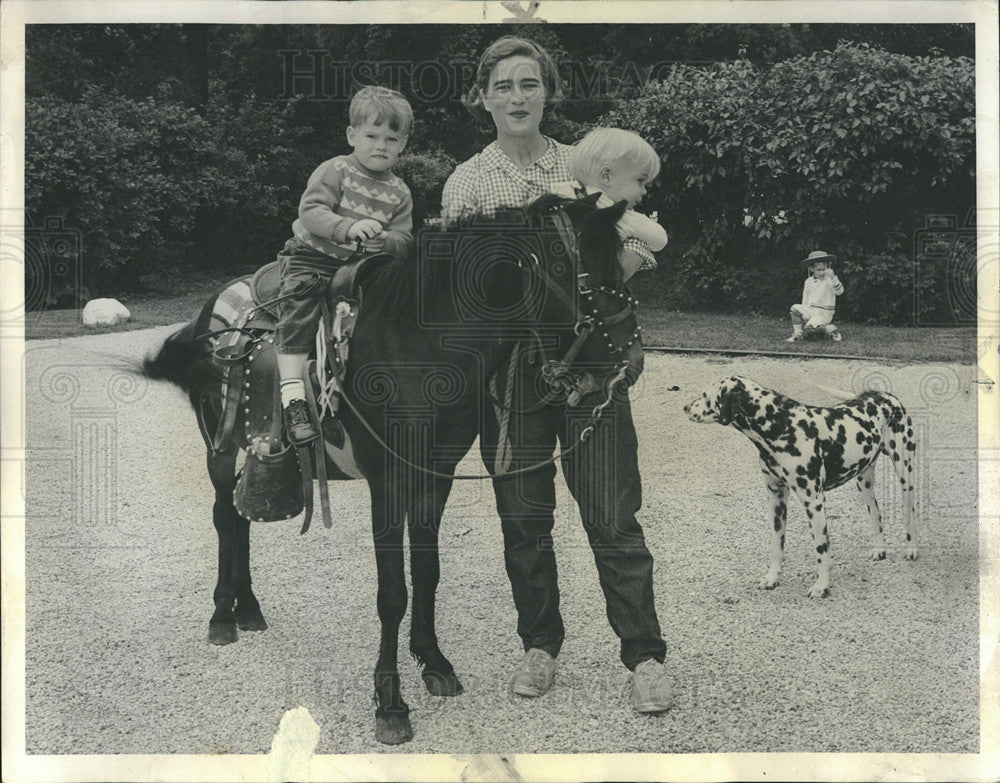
(612, 214)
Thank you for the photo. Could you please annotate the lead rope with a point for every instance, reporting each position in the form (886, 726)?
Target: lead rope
(501, 463)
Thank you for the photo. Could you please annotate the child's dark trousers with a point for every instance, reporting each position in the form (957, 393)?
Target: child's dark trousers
(298, 318)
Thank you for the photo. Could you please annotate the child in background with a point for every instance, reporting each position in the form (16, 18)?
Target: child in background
(819, 298)
(349, 199)
(619, 165)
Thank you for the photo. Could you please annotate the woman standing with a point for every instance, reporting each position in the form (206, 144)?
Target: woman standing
(515, 80)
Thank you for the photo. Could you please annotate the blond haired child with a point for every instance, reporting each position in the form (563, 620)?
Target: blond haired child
(620, 165)
(819, 299)
(349, 199)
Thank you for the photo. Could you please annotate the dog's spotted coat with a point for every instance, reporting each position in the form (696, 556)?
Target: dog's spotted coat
(808, 450)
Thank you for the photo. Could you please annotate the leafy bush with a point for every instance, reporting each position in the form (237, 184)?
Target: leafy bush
(260, 170)
(425, 175)
(153, 184)
(128, 173)
(847, 150)
(855, 132)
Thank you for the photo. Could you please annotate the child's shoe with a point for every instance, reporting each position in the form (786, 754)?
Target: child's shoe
(298, 424)
(836, 336)
(794, 338)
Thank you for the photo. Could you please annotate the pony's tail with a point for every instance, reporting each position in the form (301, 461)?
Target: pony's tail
(180, 358)
(177, 360)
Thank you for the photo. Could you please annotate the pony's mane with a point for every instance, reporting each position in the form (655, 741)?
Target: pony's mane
(391, 288)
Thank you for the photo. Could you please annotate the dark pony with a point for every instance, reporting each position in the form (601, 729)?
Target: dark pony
(431, 331)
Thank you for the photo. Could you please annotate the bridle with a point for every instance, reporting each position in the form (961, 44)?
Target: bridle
(589, 320)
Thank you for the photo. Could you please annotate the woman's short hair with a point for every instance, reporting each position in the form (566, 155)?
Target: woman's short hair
(611, 148)
(501, 49)
(381, 105)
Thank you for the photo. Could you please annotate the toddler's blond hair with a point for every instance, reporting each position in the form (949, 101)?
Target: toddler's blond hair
(611, 148)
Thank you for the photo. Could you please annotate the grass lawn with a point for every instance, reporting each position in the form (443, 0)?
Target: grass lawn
(164, 300)
(179, 298)
(766, 334)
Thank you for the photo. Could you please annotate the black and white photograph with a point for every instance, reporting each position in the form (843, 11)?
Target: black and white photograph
(510, 391)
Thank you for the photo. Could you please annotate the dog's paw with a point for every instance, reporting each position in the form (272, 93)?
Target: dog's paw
(769, 582)
(819, 591)
(910, 553)
(878, 554)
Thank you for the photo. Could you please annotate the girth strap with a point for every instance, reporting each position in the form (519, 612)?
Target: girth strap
(305, 469)
(319, 448)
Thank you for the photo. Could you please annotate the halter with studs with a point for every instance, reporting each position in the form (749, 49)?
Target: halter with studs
(604, 324)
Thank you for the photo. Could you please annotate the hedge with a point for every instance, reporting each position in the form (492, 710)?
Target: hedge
(849, 151)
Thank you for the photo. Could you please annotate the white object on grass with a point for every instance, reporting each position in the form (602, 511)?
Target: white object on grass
(105, 312)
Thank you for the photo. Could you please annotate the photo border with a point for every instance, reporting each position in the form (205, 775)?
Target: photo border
(17, 766)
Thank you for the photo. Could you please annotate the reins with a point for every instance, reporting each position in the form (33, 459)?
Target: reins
(554, 371)
(583, 437)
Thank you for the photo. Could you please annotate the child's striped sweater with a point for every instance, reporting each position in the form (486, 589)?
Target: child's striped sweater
(341, 192)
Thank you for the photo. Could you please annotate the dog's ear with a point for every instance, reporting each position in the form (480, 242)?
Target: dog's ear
(730, 402)
(726, 407)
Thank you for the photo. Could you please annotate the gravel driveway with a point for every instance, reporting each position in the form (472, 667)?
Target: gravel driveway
(121, 565)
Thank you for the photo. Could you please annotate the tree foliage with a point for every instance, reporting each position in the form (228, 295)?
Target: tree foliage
(848, 150)
(191, 143)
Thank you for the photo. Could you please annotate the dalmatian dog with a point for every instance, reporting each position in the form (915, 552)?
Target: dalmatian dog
(808, 450)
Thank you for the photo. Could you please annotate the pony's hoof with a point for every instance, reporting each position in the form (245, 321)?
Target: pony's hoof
(438, 684)
(393, 728)
(222, 633)
(252, 622)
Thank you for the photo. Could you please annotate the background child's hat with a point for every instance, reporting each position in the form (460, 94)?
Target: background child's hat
(815, 256)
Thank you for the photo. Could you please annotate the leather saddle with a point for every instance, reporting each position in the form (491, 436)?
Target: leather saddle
(269, 486)
(265, 285)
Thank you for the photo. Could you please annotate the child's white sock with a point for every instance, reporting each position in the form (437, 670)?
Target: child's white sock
(796, 329)
(293, 389)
